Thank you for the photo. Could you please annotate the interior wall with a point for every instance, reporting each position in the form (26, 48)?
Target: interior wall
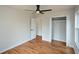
(46, 20)
(14, 27)
(33, 28)
(43, 26)
(39, 26)
(76, 42)
(46, 25)
(59, 30)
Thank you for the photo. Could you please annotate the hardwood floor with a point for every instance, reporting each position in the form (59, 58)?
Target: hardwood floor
(38, 46)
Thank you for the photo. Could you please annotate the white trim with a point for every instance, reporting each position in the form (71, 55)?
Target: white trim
(76, 28)
(47, 40)
(13, 46)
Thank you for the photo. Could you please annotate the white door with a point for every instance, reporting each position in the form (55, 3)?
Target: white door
(33, 28)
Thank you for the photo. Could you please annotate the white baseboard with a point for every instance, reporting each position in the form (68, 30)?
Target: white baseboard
(13, 46)
(59, 40)
(47, 40)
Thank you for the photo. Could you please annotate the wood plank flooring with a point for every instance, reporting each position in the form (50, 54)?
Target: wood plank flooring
(38, 46)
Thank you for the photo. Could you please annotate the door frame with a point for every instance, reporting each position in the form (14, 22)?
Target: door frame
(58, 18)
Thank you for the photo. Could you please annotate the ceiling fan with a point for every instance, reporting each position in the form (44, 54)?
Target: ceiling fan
(39, 11)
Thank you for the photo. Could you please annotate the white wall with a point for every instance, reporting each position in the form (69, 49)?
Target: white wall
(39, 26)
(14, 27)
(59, 30)
(70, 26)
(33, 28)
(43, 26)
(76, 22)
(46, 20)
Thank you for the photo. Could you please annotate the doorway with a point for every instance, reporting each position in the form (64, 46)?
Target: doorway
(59, 29)
(33, 28)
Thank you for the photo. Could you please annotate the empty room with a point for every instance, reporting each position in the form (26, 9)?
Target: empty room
(39, 29)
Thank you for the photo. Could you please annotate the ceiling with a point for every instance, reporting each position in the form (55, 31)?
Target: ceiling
(53, 7)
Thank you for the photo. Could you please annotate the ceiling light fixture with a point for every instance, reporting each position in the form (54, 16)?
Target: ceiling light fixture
(37, 12)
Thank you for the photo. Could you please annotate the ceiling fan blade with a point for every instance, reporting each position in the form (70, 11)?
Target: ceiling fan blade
(38, 7)
(41, 12)
(46, 10)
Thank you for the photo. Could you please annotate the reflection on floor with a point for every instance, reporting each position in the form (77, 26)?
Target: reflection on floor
(38, 46)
